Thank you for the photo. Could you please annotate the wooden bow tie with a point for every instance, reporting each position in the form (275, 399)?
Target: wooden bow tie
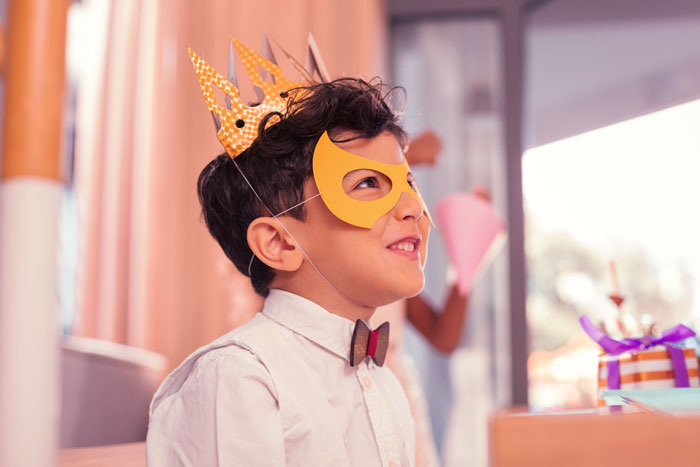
(366, 343)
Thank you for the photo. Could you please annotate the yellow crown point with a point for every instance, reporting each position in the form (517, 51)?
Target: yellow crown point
(239, 124)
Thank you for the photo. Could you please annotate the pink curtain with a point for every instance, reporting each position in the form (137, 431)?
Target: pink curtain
(151, 276)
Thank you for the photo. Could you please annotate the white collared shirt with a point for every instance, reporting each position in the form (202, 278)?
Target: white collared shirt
(229, 402)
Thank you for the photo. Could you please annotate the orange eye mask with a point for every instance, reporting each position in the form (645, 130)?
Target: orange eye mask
(330, 166)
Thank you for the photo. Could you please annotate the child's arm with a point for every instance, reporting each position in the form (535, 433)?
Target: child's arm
(424, 149)
(442, 330)
(226, 413)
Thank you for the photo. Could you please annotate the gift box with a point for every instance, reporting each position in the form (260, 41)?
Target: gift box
(648, 362)
(650, 368)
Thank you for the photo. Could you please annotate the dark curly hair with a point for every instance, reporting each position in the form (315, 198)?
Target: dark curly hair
(280, 160)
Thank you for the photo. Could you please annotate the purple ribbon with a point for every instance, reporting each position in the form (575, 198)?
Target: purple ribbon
(616, 347)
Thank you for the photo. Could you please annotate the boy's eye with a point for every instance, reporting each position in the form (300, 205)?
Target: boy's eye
(369, 182)
(366, 185)
(412, 182)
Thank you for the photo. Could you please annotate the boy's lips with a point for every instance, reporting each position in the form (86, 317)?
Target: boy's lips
(407, 246)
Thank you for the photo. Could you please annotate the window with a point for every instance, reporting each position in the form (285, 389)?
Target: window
(624, 194)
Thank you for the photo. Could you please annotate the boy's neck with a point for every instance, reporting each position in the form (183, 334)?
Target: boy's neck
(331, 301)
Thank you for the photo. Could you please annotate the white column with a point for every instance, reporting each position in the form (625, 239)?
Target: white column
(29, 358)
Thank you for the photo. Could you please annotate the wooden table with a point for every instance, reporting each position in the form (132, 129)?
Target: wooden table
(116, 455)
(591, 439)
(517, 439)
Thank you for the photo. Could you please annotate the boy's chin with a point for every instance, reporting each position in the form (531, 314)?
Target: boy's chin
(410, 288)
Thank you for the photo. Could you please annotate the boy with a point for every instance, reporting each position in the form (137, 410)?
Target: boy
(319, 209)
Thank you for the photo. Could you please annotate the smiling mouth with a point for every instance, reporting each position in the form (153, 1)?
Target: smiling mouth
(407, 246)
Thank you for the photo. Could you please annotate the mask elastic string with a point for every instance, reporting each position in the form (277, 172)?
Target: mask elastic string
(297, 205)
(251, 187)
(250, 264)
(316, 269)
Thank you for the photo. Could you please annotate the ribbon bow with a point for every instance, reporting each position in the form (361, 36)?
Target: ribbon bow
(615, 347)
(369, 343)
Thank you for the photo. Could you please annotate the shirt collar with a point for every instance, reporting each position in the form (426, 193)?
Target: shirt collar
(310, 320)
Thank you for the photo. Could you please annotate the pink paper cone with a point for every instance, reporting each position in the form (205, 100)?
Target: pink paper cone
(473, 233)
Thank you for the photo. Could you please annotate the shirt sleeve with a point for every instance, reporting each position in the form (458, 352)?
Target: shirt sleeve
(226, 414)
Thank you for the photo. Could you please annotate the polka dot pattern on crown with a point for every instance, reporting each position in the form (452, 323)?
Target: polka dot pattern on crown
(239, 126)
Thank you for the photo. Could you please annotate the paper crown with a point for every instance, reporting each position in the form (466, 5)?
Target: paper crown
(236, 122)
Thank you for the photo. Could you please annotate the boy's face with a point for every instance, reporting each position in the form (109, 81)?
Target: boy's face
(377, 265)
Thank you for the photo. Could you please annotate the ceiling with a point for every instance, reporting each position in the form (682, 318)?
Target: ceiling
(596, 62)
(591, 63)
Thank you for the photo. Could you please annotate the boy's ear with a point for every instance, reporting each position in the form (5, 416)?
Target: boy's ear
(273, 245)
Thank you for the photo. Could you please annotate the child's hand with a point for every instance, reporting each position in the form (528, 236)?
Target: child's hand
(424, 149)
(451, 275)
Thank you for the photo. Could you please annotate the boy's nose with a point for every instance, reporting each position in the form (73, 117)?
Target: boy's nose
(408, 207)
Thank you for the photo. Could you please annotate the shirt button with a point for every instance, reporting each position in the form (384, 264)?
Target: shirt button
(367, 382)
